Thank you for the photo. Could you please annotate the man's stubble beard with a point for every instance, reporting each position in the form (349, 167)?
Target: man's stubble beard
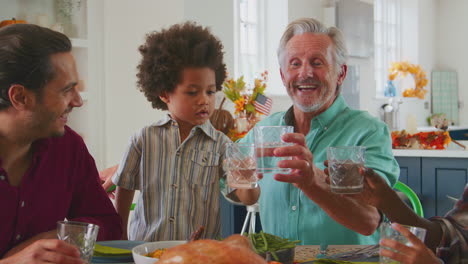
(316, 106)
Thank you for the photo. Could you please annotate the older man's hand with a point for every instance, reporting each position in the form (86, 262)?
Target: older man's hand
(312, 182)
(304, 175)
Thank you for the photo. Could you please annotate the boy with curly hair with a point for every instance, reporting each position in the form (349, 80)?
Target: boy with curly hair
(176, 163)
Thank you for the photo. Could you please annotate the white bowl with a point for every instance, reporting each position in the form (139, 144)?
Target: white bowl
(140, 251)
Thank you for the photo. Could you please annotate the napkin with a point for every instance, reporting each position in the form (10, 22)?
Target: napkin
(105, 251)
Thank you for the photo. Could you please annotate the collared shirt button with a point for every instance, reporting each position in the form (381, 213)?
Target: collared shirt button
(294, 208)
(22, 203)
(18, 237)
(2, 178)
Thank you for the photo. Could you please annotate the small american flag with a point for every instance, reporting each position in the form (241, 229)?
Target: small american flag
(263, 104)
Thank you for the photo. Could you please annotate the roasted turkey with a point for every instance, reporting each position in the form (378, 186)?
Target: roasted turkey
(235, 249)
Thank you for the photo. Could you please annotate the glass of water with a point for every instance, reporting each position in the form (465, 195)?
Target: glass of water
(267, 139)
(240, 165)
(343, 165)
(82, 235)
(387, 231)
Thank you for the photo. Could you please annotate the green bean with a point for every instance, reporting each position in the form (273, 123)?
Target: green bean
(274, 256)
(264, 242)
(264, 239)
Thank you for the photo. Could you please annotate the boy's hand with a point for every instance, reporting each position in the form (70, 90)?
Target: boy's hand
(106, 179)
(375, 188)
(418, 253)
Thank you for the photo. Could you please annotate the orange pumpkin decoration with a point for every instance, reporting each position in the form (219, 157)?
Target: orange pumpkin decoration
(222, 119)
(11, 21)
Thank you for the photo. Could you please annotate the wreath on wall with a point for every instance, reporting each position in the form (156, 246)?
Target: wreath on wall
(404, 68)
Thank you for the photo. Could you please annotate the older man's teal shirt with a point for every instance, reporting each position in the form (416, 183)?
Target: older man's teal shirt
(287, 212)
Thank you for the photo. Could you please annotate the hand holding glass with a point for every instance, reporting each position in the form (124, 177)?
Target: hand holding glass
(387, 232)
(267, 139)
(344, 164)
(240, 166)
(81, 235)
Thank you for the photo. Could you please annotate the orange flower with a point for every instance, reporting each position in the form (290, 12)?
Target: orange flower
(239, 105)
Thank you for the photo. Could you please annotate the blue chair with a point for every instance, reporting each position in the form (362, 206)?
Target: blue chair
(412, 197)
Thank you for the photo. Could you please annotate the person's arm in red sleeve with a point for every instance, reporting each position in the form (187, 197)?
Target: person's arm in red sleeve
(90, 202)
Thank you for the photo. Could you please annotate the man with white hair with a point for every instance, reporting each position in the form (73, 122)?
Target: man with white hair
(300, 205)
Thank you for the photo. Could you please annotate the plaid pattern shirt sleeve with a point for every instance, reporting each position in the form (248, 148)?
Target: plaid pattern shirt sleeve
(453, 247)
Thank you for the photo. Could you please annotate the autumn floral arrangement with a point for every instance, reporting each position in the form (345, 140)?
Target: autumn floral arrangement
(249, 103)
(421, 140)
(419, 76)
(438, 139)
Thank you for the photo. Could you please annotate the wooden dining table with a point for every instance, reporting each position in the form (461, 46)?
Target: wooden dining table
(309, 253)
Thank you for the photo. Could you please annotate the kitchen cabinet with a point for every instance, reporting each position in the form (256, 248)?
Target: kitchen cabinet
(410, 173)
(442, 178)
(435, 180)
(229, 217)
(83, 26)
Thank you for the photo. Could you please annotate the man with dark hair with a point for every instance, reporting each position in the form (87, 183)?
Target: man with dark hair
(446, 236)
(46, 171)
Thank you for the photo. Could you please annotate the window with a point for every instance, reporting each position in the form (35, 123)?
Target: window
(249, 25)
(387, 39)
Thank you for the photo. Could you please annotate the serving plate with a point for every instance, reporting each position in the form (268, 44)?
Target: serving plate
(124, 244)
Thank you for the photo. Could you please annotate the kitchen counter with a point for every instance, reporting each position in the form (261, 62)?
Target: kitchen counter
(452, 151)
(456, 132)
(431, 128)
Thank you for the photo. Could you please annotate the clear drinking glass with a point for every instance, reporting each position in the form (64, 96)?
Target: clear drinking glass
(82, 235)
(343, 165)
(387, 231)
(267, 139)
(240, 166)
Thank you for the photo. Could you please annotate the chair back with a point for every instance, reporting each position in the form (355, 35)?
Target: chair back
(413, 198)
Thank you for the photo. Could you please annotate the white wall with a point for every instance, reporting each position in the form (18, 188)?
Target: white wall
(452, 43)
(221, 22)
(432, 41)
(127, 22)
(305, 8)
(126, 109)
(276, 22)
(418, 23)
(418, 46)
